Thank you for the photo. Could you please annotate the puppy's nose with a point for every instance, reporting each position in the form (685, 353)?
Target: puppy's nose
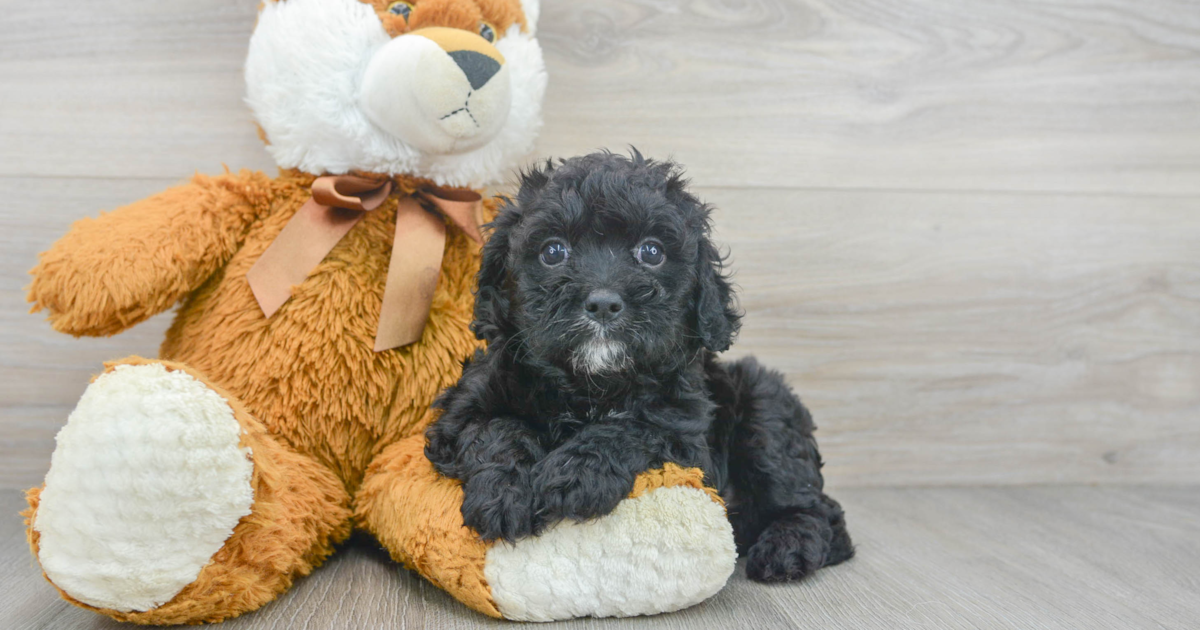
(603, 305)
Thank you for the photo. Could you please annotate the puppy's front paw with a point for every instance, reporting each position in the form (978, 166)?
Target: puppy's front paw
(577, 487)
(499, 504)
(789, 549)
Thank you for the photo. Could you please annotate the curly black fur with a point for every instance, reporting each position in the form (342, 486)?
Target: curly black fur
(567, 407)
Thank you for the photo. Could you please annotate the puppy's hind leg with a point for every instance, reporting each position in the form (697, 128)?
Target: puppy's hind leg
(783, 521)
(798, 542)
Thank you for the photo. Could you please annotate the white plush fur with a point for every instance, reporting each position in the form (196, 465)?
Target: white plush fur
(147, 482)
(533, 11)
(665, 550)
(304, 74)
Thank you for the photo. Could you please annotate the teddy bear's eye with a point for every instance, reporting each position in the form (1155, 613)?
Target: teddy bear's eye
(487, 32)
(403, 9)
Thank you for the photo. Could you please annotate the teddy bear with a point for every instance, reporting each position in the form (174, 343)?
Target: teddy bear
(319, 313)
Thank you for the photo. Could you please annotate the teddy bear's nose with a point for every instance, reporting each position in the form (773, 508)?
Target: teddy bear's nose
(478, 67)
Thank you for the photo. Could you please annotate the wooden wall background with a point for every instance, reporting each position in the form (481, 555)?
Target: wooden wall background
(968, 231)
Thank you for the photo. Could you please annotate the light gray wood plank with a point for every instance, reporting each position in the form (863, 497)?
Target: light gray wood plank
(939, 338)
(1067, 96)
(1071, 95)
(126, 89)
(1046, 557)
(968, 338)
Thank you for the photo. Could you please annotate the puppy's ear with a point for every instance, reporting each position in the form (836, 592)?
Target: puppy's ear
(717, 316)
(491, 298)
(714, 304)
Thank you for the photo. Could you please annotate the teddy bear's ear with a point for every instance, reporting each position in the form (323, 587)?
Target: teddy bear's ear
(532, 9)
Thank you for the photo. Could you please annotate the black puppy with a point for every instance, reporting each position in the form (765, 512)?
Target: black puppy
(602, 301)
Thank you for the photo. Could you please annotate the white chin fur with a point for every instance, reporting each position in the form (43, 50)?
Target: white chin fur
(147, 482)
(304, 75)
(598, 355)
(665, 550)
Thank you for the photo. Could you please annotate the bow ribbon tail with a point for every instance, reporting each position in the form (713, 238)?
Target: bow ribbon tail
(337, 204)
(416, 261)
(304, 242)
(412, 278)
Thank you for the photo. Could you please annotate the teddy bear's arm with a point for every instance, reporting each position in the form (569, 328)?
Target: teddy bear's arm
(109, 273)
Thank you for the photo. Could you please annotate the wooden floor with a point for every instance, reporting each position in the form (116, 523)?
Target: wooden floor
(1039, 557)
(968, 232)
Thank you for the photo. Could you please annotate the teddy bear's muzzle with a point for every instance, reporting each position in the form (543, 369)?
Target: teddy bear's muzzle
(440, 90)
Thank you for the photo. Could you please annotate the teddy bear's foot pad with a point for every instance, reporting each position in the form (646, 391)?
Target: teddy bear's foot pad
(662, 551)
(146, 483)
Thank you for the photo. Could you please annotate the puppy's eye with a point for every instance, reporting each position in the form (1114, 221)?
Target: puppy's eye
(487, 32)
(403, 9)
(554, 253)
(651, 254)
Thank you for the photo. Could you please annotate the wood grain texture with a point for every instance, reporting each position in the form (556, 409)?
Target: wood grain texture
(978, 338)
(868, 94)
(125, 89)
(1068, 95)
(1061, 557)
(1071, 95)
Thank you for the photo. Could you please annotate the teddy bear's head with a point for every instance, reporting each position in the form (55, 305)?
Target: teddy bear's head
(450, 90)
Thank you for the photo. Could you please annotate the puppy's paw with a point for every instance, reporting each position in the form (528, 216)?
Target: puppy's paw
(789, 549)
(499, 503)
(577, 487)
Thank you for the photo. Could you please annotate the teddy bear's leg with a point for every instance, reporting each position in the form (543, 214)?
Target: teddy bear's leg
(166, 502)
(667, 546)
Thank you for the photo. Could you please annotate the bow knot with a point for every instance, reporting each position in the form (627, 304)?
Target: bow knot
(351, 192)
(337, 204)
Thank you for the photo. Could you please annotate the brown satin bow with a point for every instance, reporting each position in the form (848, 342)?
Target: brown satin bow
(338, 203)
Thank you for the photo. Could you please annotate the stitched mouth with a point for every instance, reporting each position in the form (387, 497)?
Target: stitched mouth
(465, 108)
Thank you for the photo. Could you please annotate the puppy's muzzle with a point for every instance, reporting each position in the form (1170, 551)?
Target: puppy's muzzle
(441, 90)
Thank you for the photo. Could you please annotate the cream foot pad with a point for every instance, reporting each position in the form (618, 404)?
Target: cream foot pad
(147, 482)
(664, 550)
